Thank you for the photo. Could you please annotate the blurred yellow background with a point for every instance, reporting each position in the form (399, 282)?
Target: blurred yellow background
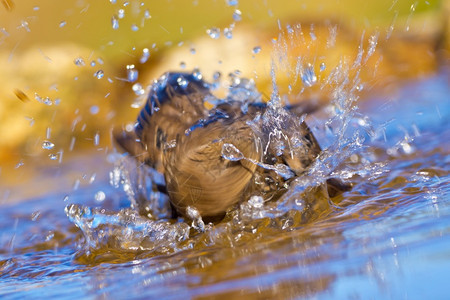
(64, 77)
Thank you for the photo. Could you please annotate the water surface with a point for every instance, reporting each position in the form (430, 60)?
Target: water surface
(389, 237)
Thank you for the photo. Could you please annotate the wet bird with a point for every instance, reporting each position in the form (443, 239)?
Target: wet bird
(215, 158)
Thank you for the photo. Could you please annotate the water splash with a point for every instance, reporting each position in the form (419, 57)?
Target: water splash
(230, 152)
(125, 230)
(145, 225)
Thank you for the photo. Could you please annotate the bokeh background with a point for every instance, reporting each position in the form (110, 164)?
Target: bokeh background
(65, 65)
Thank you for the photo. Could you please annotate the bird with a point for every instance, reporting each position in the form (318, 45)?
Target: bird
(213, 159)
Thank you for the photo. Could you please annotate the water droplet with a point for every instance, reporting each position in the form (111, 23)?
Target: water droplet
(93, 63)
(373, 41)
(47, 101)
(115, 22)
(137, 89)
(197, 74)
(407, 148)
(232, 2)
(312, 34)
(62, 24)
(230, 152)
(36, 8)
(19, 164)
(145, 55)
(53, 156)
(134, 27)
(49, 236)
(47, 145)
(113, 1)
(192, 212)
(182, 65)
(256, 50)
(289, 28)
(121, 13)
(322, 67)
(24, 24)
(79, 61)
(192, 50)
(256, 201)
(35, 215)
(213, 32)
(99, 74)
(182, 82)
(100, 196)
(100, 61)
(72, 143)
(96, 139)
(360, 87)
(216, 76)
(197, 222)
(137, 103)
(132, 73)
(237, 15)
(228, 33)
(309, 78)
(147, 14)
(284, 171)
(94, 109)
(170, 144)
(234, 79)
(92, 179)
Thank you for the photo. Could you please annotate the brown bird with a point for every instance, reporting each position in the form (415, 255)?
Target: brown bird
(213, 159)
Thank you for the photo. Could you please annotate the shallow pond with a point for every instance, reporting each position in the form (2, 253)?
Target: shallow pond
(389, 237)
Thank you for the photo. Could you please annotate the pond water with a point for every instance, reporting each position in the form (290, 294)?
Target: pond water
(388, 237)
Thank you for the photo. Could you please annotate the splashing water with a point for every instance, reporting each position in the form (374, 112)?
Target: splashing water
(302, 240)
(230, 152)
(305, 196)
(125, 230)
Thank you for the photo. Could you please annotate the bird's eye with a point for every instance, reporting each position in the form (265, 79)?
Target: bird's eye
(160, 138)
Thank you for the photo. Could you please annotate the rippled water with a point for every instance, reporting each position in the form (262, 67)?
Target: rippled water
(389, 237)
